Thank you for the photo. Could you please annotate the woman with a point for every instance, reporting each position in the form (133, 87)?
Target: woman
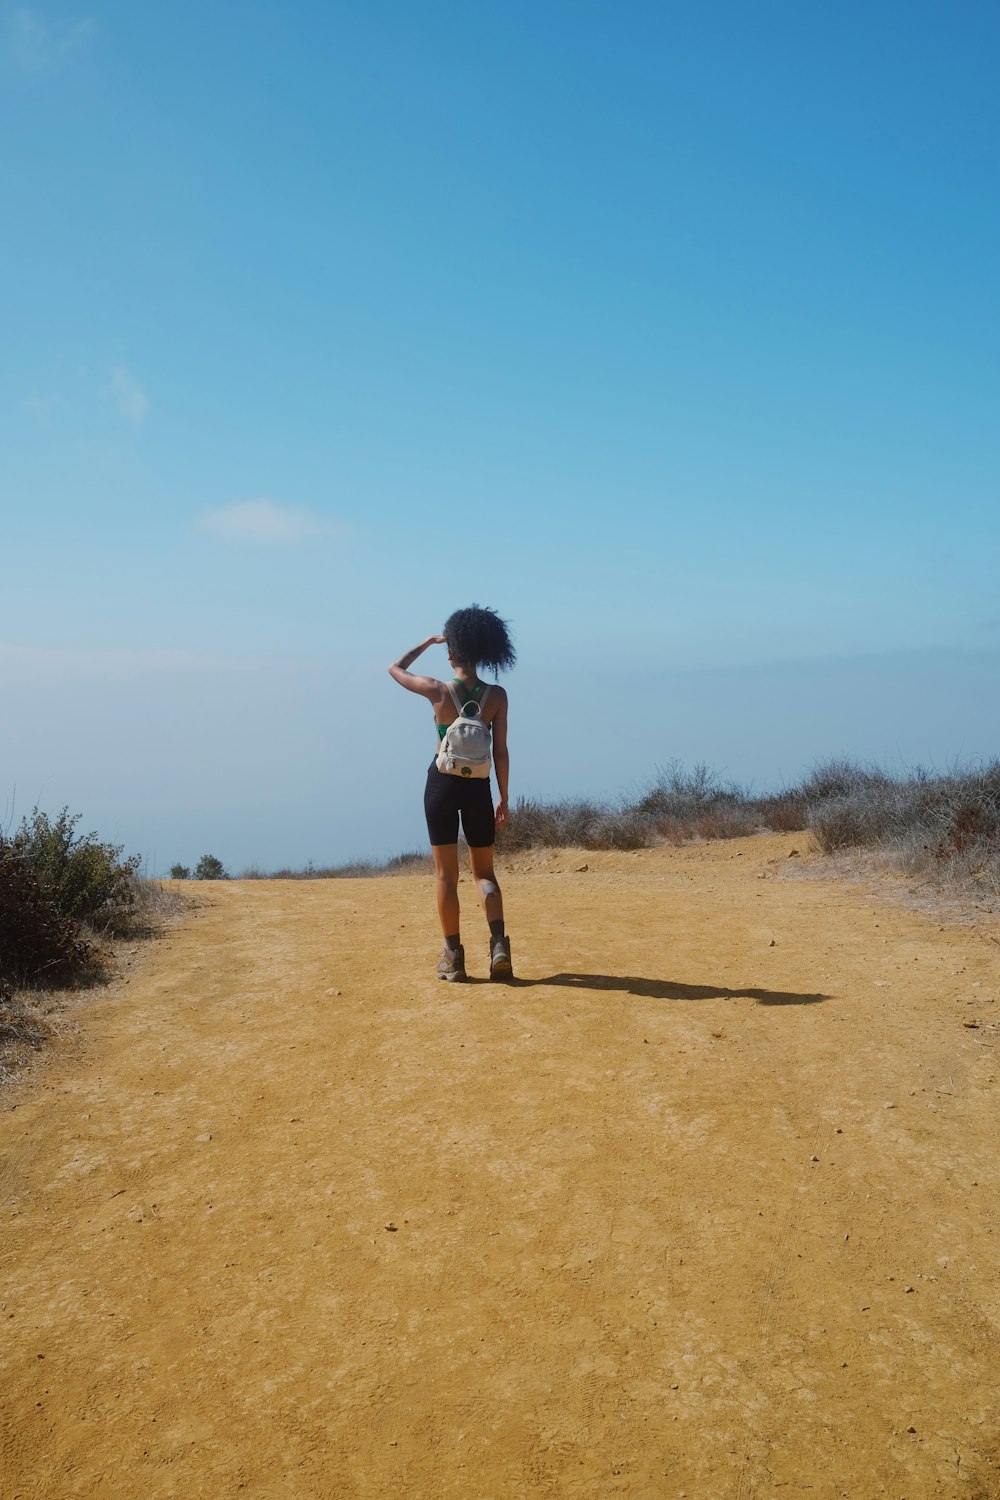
(475, 638)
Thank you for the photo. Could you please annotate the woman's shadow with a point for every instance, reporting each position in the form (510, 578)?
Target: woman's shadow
(668, 989)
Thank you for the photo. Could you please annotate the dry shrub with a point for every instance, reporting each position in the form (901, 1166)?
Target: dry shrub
(944, 827)
(785, 812)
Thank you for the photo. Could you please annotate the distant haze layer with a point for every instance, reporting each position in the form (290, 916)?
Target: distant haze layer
(268, 762)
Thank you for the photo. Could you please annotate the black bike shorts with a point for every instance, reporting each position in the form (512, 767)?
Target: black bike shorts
(446, 797)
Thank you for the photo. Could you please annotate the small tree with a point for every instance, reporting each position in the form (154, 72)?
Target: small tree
(210, 868)
(180, 872)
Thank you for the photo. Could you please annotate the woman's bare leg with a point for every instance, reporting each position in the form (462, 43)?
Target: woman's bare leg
(446, 881)
(489, 895)
(486, 881)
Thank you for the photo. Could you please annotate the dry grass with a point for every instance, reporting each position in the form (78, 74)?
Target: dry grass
(28, 1019)
(677, 807)
(411, 863)
(944, 829)
(941, 827)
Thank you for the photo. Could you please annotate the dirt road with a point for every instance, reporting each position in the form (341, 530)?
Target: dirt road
(706, 1206)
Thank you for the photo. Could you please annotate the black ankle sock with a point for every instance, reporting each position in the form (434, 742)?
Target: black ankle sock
(453, 942)
(496, 929)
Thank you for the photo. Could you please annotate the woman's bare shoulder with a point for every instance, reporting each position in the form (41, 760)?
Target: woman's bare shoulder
(414, 682)
(497, 703)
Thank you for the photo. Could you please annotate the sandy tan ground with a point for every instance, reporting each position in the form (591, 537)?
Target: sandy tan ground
(707, 1206)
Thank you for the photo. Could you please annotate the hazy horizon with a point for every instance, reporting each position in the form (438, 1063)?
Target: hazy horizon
(276, 776)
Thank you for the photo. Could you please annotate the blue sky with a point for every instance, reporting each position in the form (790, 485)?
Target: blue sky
(669, 330)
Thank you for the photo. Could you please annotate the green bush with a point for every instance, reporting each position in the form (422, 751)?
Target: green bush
(57, 891)
(210, 868)
(83, 878)
(39, 944)
(180, 872)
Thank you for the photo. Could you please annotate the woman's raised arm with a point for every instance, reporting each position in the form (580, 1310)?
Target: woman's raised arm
(427, 687)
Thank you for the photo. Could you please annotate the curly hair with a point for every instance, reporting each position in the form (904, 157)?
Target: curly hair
(478, 637)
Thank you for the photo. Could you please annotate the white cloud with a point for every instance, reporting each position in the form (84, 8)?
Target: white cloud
(128, 395)
(39, 46)
(262, 521)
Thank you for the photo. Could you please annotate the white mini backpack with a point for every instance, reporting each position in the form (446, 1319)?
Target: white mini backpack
(467, 743)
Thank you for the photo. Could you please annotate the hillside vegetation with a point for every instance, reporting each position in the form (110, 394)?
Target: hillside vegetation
(945, 826)
(62, 894)
(941, 826)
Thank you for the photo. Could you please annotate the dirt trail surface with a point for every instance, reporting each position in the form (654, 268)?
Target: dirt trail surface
(706, 1206)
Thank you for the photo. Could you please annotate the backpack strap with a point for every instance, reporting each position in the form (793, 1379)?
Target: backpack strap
(470, 697)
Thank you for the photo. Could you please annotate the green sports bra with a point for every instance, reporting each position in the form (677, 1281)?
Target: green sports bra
(472, 697)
